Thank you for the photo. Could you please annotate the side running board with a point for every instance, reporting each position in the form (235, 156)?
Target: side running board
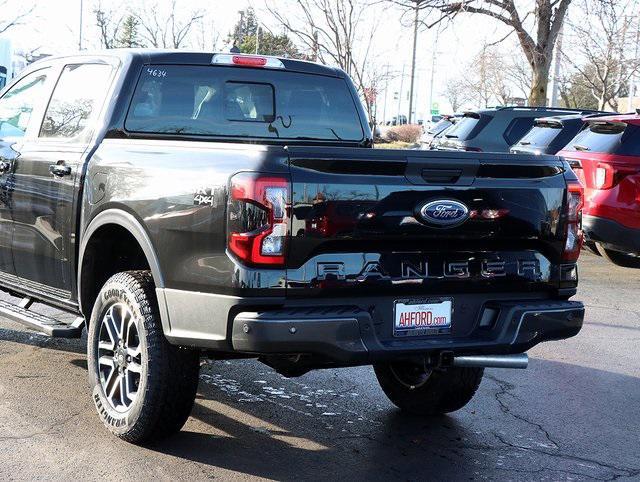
(40, 323)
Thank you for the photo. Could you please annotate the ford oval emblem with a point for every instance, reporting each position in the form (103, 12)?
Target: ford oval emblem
(444, 212)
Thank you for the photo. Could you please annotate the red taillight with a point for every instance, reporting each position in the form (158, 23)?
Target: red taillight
(249, 60)
(258, 219)
(573, 222)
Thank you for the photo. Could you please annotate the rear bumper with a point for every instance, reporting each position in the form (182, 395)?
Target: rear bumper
(611, 234)
(352, 335)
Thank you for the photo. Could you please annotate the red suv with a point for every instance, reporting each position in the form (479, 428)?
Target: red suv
(605, 156)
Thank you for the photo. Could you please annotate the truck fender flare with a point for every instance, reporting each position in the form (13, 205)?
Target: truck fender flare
(131, 224)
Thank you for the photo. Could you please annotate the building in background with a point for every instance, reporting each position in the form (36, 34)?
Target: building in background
(623, 104)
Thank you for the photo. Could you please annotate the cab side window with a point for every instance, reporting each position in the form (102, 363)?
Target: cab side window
(17, 104)
(76, 98)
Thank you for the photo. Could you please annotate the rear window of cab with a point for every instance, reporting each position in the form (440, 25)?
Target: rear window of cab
(243, 102)
(608, 137)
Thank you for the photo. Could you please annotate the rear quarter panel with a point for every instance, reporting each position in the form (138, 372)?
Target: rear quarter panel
(177, 190)
(621, 203)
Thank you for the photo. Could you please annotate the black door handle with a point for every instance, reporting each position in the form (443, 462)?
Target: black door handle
(59, 170)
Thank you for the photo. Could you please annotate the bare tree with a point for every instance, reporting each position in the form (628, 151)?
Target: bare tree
(334, 32)
(17, 18)
(167, 30)
(548, 17)
(480, 77)
(108, 22)
(575, 93)
(597, 49)
(457, 94)
(492, 77)
(518, 73)
(208, 36)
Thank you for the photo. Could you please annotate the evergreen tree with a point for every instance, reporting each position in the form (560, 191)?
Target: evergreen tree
(247, 26)
(128, 37)
(247, 30)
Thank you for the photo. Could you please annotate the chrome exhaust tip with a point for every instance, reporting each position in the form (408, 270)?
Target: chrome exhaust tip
(520, 361)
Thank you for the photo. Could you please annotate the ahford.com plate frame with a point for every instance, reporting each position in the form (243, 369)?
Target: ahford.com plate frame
(423, 331)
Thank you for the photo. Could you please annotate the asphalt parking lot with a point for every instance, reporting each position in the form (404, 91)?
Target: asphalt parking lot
(573, 415)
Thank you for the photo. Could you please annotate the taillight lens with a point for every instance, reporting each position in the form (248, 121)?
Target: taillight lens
(609, 175)
(258, 219)
(573, 216)
(601, 177)
(242, 60)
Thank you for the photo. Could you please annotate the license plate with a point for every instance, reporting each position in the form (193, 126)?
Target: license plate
(422, 317)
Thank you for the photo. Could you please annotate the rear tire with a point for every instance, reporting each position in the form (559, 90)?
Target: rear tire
(432, 392)
(618, 258)
(142, 386)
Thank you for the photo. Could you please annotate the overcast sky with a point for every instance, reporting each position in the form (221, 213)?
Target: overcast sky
(54, 28)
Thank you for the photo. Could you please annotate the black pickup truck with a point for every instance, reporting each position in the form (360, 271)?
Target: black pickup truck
(186, 205)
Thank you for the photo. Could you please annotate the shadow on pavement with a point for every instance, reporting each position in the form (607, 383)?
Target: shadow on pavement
(556, 419)
(26, 337)
(287, 455)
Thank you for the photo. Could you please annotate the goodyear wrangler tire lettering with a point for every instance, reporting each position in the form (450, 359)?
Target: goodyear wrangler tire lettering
(137, 399)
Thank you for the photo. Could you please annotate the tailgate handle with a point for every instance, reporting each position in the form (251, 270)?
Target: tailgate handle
(441, 176)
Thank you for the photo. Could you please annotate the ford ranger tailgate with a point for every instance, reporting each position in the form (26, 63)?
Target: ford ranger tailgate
(421, 221)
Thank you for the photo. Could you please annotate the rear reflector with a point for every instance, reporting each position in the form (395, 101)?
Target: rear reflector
(247, 61)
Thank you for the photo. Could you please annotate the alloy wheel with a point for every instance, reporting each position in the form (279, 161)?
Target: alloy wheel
(119, 356)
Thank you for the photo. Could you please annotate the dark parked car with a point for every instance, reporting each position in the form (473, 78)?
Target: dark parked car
(494, 130)
(550, 134)
(190, 204)
(606, 158)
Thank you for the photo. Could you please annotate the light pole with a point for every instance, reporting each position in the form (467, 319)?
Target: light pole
(80, 29)
(416, 18)
(386, 95)
(400, 96)
(433, 71)
(632, 77)
(257, 37)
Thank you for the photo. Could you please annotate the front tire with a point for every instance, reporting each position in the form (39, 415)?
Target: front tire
(142, 386)
(618, 258)
(428, 392)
